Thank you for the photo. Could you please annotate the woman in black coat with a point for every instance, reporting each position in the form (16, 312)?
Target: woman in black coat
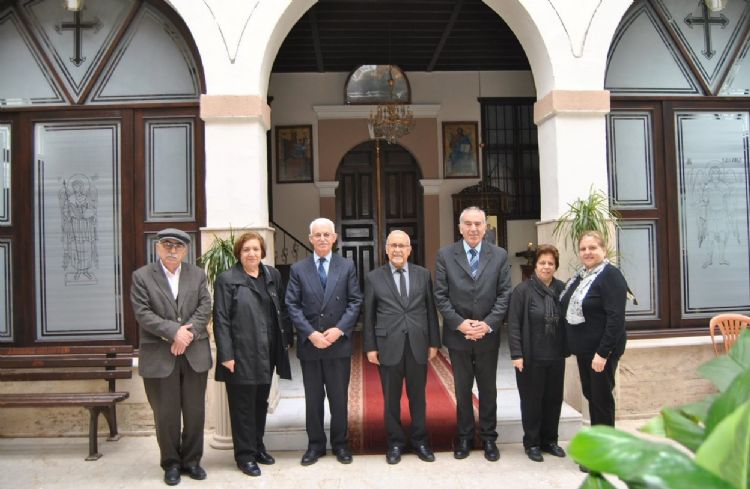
(538, 349)
(593, 309)
(252, 335)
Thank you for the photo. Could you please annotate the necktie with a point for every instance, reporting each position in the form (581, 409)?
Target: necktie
(474, 262)
(402, 284)
(322, 273)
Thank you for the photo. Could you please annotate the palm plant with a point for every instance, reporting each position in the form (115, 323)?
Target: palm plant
(591, 213)
(218, 258)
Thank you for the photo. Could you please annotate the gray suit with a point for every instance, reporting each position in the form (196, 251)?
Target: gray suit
(459, 296)
(175, 386)
(401, 331)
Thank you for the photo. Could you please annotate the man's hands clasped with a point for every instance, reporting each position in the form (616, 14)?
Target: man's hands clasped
(474, 329)
(182, 339)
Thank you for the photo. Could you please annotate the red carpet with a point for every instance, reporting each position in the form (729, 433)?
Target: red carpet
(366, 427)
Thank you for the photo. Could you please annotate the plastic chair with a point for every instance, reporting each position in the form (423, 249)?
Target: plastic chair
(730, 326)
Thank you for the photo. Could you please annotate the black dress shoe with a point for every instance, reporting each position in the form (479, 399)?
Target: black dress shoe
(553, 449)
(249, 468)
(172, 476)
(195, 472)
(311, 456)
(265, 458)
(491, 452)
(424, 453)
(535, 454)
(343, 455)
(462, 449)
(393, 455)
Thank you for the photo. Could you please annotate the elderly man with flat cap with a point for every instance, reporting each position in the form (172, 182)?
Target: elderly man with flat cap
(172, 306)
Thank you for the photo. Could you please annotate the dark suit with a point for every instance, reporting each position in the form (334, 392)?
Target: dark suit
(401, 332)
(175, 386)
(324, 370)
(458, 297)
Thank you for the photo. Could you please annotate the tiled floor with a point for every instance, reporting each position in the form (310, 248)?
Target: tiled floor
(132, 463)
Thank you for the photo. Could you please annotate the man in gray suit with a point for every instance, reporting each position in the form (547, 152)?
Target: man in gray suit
(172, 306)
(401, 334)
(323, 300)
(472, 289)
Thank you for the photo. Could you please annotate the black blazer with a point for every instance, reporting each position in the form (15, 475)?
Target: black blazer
(459, 297)
(241, 324)
(389, 320)
(312, 309)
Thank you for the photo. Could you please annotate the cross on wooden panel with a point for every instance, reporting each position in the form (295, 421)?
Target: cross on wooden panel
(77, 26)
(706, 21)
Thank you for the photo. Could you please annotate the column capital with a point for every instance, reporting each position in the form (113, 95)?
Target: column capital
(431, 186)
(235, 107)
(571, 102)
(327, 189)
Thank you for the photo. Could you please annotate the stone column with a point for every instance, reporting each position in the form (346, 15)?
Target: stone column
(236, 199)
(431, 216)
(327, 199)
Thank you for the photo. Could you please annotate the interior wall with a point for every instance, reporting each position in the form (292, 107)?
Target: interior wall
(295, 95)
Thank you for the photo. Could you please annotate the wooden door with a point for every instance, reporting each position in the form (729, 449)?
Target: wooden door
(356, 204)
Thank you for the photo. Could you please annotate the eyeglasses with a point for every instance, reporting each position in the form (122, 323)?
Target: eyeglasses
(172, 245)
(398, 246)
(321, 235)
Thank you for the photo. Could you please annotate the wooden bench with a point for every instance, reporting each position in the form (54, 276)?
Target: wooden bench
(70, 363)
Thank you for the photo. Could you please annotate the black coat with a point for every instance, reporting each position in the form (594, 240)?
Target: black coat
(526, 304)
(241, 323)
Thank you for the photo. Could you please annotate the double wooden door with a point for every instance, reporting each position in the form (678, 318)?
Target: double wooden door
(357, 204)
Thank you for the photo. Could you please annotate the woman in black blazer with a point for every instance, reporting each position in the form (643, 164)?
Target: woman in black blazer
(538, 350)
(252, 338)
(593, 308)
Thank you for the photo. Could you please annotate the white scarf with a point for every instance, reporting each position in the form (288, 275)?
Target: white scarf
(575, 306)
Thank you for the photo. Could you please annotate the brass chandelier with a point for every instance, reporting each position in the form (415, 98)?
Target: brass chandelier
(391, 120)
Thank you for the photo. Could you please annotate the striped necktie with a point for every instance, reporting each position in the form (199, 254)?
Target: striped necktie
(474, 262)
(322, 272)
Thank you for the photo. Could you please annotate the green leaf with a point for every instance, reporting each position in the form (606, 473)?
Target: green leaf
(655, 426)
(726, 451)
(639, 462)
(682, 429)
(699, 409)
(736, 394)
(596, 481)
(723, 369)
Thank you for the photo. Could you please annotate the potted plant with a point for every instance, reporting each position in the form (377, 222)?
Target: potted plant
(218, 258)
(590, 213)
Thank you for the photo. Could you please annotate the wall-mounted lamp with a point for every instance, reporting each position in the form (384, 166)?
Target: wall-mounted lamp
(716, 5)
(73, 5)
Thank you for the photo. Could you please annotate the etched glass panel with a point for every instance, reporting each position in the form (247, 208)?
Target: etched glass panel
(641, 41)
(631, 166)
(77, 231)
(738, 79)
(152, 45)
(5, 175)
(712, 171)
(170, 166)
(151, 240)
(6, 291)
(636, 246)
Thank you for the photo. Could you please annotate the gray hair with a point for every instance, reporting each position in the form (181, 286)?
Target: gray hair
(397, 231)
(322, 221)
(470, 209)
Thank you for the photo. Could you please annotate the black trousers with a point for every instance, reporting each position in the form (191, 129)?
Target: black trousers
(597, 389)
(540, 386)
(179, 397)
(321, 378)
(248, 407)
(480, 366)
(392, 380)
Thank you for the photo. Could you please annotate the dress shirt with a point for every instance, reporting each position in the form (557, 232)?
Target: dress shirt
(394, 274)
(467, 248)
(326, 264)
(173, 279)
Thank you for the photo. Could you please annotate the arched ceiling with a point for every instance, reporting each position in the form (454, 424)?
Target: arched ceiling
(417, 35)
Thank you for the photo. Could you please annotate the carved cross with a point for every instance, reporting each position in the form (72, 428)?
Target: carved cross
(706, 21)
(77, 26)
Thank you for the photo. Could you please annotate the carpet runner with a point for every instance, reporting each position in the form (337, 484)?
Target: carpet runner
(366, 426)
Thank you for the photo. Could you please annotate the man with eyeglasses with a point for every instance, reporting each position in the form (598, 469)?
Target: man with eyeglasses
(323, 300)
(172, 306)
(401, 334)
(472, 292)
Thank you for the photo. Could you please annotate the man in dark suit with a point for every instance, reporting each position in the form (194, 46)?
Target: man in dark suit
(472, 289)
(323, 300)
(401, 334)
(172, 306)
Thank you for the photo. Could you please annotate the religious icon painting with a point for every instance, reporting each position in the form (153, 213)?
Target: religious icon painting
(460, 150)
(294, 154)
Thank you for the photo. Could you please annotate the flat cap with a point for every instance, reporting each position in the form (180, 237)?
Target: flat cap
(175, 234)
